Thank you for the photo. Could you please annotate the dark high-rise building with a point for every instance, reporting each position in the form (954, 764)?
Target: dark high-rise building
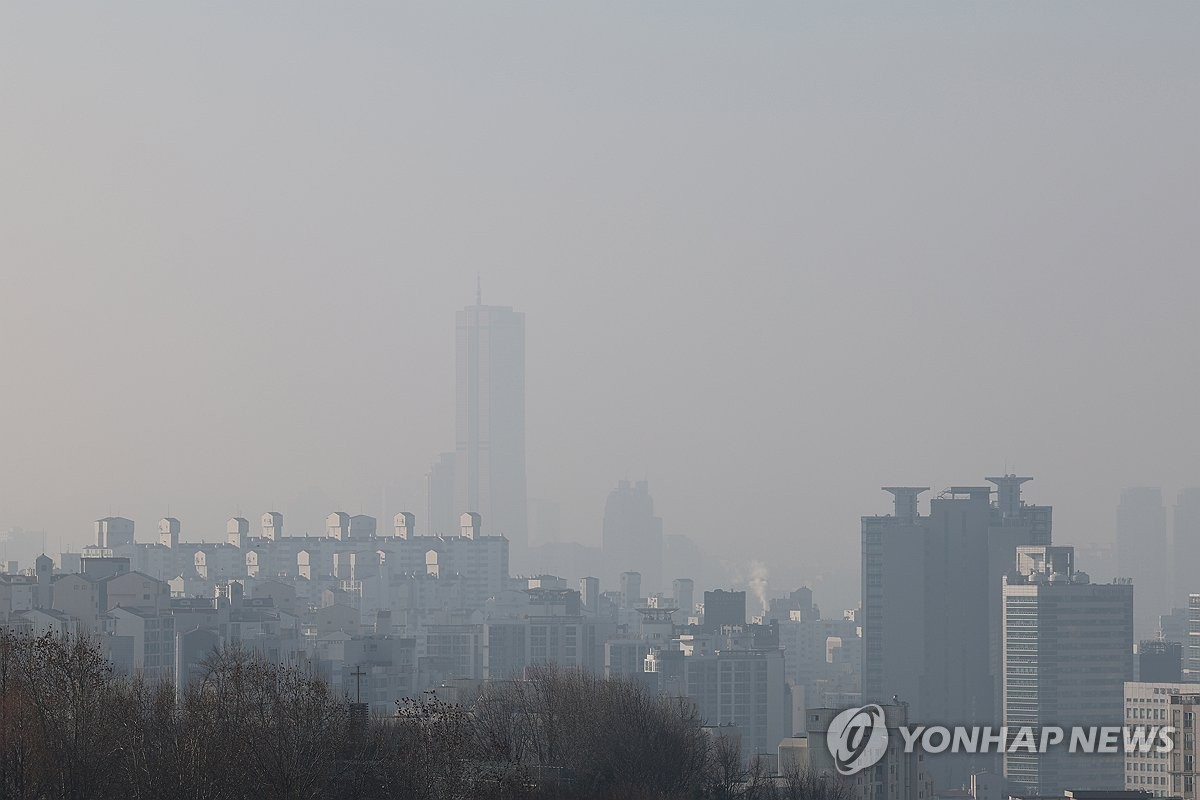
(489, 463)
(1185, 546)
(683, 591)
(723, 608)
(1173, 627)
(932, 604)
(632, 535)
(631, 589)
(1142, 555)
(1160, 662)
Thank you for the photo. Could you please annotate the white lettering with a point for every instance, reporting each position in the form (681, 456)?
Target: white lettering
(927, 743)
(966, 740)
(1084, 738)
(1023, 739)
(993, 741)
(1140, 739)
(910, 736)
(1050, 735)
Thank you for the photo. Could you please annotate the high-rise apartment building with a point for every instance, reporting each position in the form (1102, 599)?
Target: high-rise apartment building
(735, 684)
(489, 463)
(931, 597)
(113, 532)
(1142, 554)
(1068, 651)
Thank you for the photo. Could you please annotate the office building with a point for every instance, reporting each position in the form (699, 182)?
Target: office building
(631, 589)
(722, 608)
(1160, 661)
(931, 605)
(1147, 704)
(1142, 554)
(1192, 645)
(1185, 546)
(683, 591)
(741, 687)
(632, 534)
(1185, 755)
(1068, 651)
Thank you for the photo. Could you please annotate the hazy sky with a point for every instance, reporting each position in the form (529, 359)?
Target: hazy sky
(772, 257)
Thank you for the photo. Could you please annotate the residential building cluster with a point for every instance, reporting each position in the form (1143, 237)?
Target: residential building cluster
(384, 616)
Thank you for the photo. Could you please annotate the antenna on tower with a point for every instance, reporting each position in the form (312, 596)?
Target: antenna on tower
(478, 290)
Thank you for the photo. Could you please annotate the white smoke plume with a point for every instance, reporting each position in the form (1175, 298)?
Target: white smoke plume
(758, 584)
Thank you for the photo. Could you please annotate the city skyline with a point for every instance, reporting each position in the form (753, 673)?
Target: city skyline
(774, 401)
(968, 615)
(726, 243)
(471, 331)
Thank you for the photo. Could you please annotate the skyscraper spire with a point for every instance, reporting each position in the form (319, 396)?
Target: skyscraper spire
(478, 290)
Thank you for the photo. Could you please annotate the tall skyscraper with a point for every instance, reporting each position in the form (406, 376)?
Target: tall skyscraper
(489, 463)
(931, 596)
(1185, 546)
(1068, 651)
(1142, 555)
(632, 535)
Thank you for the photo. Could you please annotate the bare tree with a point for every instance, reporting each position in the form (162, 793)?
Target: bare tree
(252, 729)
(724, 770)
(284, 721)
(806, 784)
(20, 742)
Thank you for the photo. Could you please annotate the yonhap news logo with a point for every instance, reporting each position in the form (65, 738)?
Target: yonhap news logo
(857, 738)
